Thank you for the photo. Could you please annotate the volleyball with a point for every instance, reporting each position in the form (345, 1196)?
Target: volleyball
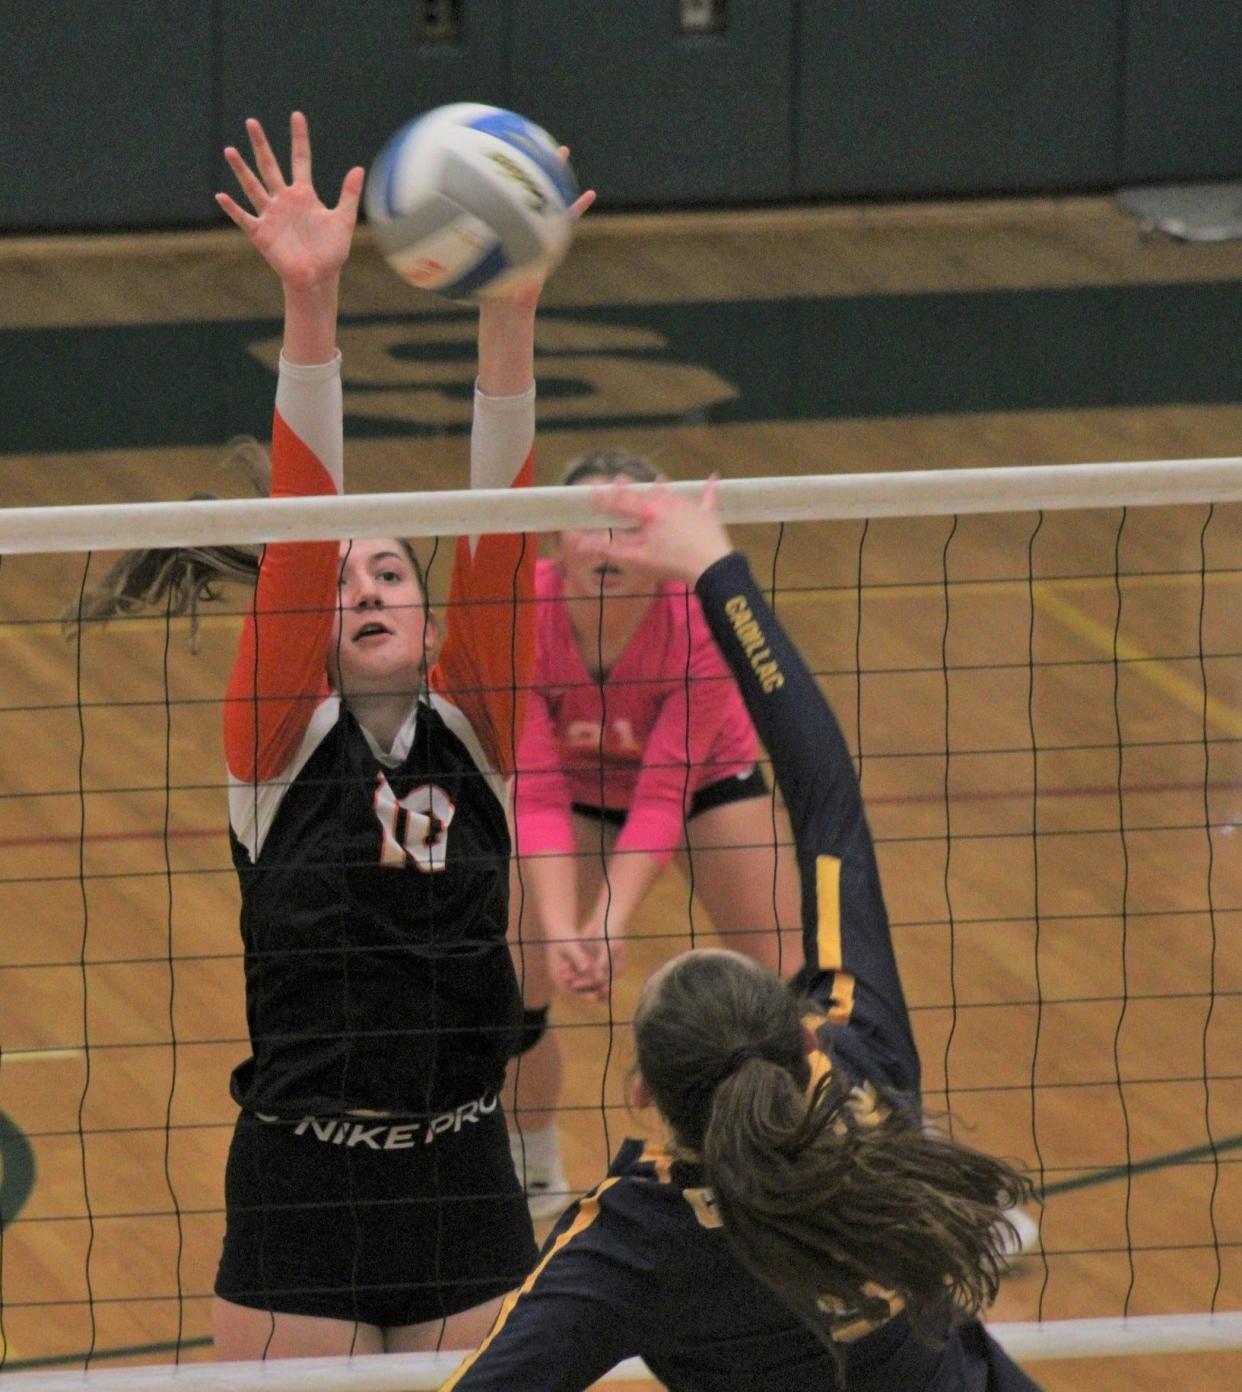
(468, 200)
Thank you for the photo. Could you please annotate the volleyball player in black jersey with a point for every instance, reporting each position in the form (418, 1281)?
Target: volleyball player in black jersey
(370, 1196)
(804, 1229)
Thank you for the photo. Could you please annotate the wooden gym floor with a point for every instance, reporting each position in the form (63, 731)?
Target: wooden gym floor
(1100, 1031)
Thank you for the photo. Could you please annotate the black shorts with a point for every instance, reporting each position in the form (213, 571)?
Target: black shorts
(737, 787)
(383, 1222)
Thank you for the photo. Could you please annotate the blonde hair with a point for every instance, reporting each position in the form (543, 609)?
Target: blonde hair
(609, 464)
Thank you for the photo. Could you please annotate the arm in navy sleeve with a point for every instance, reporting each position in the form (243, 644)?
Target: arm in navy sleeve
(583, 1310)
(849, 951)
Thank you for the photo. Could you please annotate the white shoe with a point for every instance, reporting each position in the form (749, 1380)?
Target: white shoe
(537, 1160)
(1019, 1235)
(547, 1192)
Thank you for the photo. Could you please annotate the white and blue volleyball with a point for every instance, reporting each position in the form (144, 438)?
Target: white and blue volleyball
(468, 200)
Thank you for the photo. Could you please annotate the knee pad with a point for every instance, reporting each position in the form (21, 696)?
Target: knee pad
(534, 1027)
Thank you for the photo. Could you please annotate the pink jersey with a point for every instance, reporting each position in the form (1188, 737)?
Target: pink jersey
(666, 721)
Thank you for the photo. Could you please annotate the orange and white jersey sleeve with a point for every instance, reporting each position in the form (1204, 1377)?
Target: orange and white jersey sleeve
(279, 682)
(488, 660)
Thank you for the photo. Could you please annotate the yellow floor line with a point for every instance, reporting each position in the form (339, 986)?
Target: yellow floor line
(1099, 637)
(12, 1056)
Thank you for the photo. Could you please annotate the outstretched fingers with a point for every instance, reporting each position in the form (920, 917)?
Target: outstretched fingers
(669, 534)
(351, 193)
(299, 148)
(584, 199)
(621, 498)
(246, 179)
(265, 160)
(235, 211)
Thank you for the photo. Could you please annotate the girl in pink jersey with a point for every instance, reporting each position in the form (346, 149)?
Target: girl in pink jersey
(637, 751)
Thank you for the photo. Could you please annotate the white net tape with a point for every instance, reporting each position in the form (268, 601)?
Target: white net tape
(937, 493)
(388, 1372)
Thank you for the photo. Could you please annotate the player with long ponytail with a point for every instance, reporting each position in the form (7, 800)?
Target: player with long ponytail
(802, 1226)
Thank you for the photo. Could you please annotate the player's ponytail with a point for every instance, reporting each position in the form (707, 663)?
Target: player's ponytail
(842, 1201)
(850, 1206)
(176, 580)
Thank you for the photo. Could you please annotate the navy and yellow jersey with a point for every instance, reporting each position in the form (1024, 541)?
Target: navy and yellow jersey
(641, 1267)
(850, 966)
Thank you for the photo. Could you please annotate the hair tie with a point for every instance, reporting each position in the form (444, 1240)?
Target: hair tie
(736, 1059)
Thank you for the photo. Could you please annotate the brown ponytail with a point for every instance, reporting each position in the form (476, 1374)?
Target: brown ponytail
(843, 1202)
(176, 580)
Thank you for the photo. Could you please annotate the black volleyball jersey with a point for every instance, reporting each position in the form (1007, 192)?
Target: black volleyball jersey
(375, 882)
(641, 1267)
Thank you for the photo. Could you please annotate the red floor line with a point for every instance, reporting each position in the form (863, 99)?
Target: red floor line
(882, 800)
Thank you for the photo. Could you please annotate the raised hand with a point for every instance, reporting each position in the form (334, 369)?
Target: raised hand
(304, 242)
(525, 294)
(670, 535)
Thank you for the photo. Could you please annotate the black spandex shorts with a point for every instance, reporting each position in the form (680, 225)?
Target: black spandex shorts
(384, 1222)
(738, 787)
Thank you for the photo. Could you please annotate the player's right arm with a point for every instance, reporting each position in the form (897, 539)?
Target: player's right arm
(279, 674)
(846, 937)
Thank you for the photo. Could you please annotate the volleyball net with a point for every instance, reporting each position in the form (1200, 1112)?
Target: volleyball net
(1040, 675)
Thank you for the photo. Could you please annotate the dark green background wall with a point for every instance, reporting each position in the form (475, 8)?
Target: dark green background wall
(114, 116)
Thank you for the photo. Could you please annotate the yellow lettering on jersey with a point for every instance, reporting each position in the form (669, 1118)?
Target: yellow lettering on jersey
(706, 1209)
(754, 644)
(848, 1323)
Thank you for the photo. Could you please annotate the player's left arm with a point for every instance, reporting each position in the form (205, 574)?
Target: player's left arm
(489, 653)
